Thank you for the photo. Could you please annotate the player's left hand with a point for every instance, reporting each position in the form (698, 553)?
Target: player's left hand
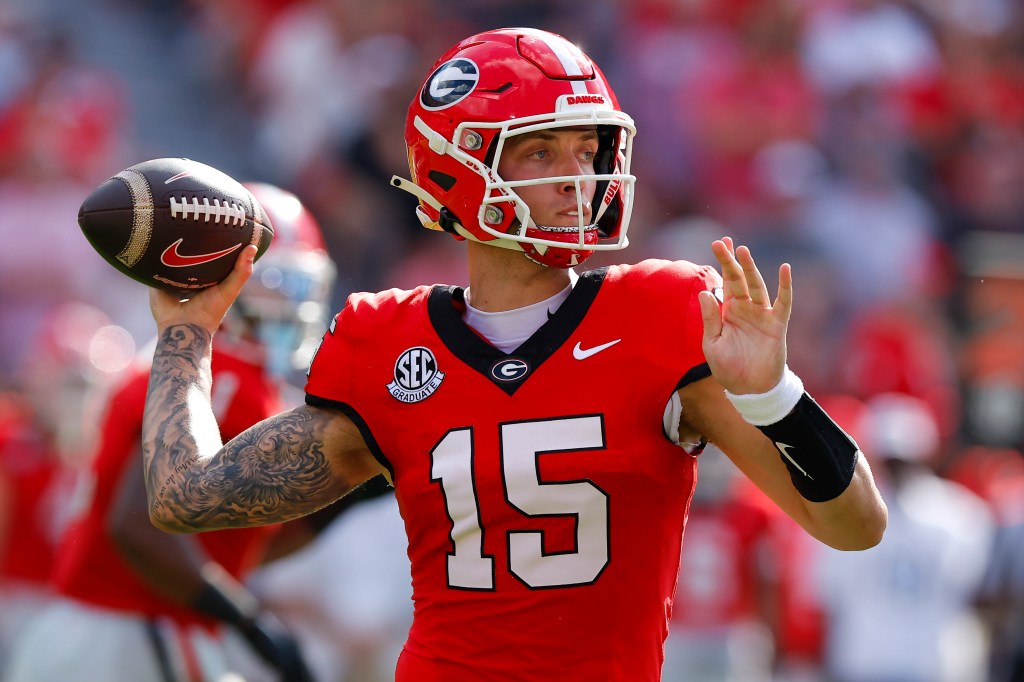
(745, 335)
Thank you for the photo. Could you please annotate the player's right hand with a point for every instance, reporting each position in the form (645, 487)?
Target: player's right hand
(207, 307)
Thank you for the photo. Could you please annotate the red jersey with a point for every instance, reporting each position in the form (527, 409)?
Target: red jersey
(800, 630)
(721, 576)
(543, 501)
(793, 558)
(89, 566)
(30, 465)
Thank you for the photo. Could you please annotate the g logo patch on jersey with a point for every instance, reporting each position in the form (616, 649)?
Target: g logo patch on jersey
(510, 369)
(416, 375)
(449, 84)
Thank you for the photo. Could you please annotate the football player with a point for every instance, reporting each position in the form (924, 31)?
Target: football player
(541, 427)
(46, 421)
(140, 604)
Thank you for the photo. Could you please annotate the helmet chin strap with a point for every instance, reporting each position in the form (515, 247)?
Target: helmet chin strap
(425, 197)
(497, 241)
(417, 191)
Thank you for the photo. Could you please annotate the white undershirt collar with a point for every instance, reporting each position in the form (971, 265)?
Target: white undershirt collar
(508, 329)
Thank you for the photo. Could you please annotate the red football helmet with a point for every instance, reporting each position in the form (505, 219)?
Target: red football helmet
(286, 301)
(493, 86)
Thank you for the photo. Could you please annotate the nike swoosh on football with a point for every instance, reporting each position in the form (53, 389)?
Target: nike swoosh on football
(171, 258)
(179, 176)
(783, 448)
(582, 354)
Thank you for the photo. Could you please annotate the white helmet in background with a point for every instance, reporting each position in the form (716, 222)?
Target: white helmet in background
(901, 427)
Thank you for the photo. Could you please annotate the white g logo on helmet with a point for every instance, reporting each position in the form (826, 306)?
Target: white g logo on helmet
(449, 84)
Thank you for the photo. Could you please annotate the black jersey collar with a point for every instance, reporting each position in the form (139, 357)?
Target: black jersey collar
(508, 371)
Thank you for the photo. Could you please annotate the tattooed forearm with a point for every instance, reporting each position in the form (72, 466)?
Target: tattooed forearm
(180, 366)
(193, 482)
(183, 351)
(275, 471)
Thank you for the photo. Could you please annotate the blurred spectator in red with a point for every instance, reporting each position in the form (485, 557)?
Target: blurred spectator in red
(760, 97)
(666, 53)
(903, 346)
(65, 127)
(16, 72)
(46, 422)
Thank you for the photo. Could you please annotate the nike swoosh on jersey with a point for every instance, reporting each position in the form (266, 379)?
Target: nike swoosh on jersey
(172, 258)
(582, 354)
(784, 449)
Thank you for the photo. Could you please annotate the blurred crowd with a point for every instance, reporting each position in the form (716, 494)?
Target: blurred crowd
(877, 145)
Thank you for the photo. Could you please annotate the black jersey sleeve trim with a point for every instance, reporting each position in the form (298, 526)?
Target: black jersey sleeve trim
(364, 428)
(694, 374)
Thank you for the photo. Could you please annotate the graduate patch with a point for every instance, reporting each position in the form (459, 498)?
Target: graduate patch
(416, 375)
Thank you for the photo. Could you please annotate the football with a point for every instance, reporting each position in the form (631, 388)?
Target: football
(174, 223)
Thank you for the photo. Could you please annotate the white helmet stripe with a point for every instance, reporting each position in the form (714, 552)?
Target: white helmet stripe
(569, 63)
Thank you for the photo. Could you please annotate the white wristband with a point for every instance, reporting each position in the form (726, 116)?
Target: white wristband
(762, 409)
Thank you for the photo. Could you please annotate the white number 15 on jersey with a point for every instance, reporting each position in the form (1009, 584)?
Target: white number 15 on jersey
(521, 445)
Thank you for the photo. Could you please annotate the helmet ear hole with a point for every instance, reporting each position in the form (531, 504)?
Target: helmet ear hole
(606, 162)
(607, 149)
(442, 180)
(607, 222)
(492, 150)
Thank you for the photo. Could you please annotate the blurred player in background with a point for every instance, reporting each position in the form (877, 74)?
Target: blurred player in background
(47, 423)
(906, 610)
(347, 594)
(723, 634)
(541, 427)
(141, 605)
(799, 620)
(997, 476)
